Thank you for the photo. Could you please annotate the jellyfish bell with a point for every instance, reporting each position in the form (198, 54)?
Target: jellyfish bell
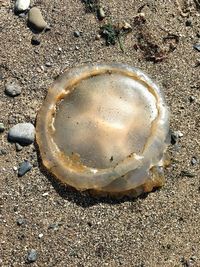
(104, 127)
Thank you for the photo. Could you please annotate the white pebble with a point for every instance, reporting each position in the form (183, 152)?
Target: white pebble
(40, 235)
(22, 5)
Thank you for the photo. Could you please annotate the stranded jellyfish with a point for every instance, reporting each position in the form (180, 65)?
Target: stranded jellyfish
(104, 127)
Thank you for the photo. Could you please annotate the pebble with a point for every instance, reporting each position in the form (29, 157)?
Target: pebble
(36, 19)
(188, 23)
(48, 64)
(187, 174)
(77, 34)
(35, 40)
(18, 147)
(13, 89)
(22, 133)
(180, 134)
(194, 161)
(2, 151)
(21, 221)
(40, 235)
(32, 256)
(101, 13)
(2, 127)
(24, 168)
(98, 37)
(191, 99)
(197, 47)
(54, 226)
(22, 5)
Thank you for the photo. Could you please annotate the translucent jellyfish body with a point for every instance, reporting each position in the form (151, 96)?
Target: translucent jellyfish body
(104, 127)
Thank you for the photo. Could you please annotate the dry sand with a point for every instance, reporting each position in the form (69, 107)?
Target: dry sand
(160, 229)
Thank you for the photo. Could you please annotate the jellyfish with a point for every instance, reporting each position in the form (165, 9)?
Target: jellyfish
(104, 128)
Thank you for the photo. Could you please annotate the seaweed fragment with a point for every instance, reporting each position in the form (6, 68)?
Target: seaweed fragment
(113, 33)
(91, 6)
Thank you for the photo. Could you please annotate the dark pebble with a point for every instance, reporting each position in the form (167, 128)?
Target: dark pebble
(2, 151)
(21, 221)
(188, 23)
(191, 99)
(24, 168)
(197, 47)
(35, 40)
(32, 256)
(77, 34)
(187, 174)
(174, 138)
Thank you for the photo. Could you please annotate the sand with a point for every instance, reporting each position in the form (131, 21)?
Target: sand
(158, 229)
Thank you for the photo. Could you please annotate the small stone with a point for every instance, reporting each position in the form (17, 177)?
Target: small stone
(22, 133)
(188, 23)
(197, 47)
(174, 137)
(187, 174)
(32, 256)
(2, 127)
(54, 226)
(48, 64)
(13, 89)
(191, 99)
(2, 151)
(18, 147)
(45, 194)
(21, 221)
(100, 13)
(22, 5)
(24, 168)
(35, 40)
(97, 37)
(127, 26)
(180, 134)
(77, 34)
(194, 161)
(36, 19)
(14, 168)
(22, 15)
(40, 235)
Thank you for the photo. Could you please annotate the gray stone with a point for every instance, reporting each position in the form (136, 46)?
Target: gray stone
(22, 133)
(13, 89)
(21, 5)
(36, 19)
(18, 147)
(2, 127)
(197, 47)
(24, 168)
(2, 151)
(194, 161)
(21, 221)
(77, 34)
(32, 256)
